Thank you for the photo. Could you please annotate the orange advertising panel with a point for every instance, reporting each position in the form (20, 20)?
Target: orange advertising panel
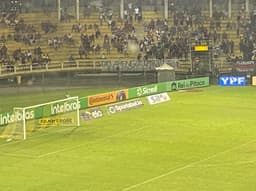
(106, 98)
(254, 80)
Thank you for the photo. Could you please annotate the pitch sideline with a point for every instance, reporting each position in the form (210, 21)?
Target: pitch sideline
(185, 167)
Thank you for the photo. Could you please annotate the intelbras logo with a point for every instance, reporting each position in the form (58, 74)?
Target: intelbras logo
(15, 117)
(142, 91)
(64, 107)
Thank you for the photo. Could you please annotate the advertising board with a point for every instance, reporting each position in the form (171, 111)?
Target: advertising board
(41, 111)
(244, 66)
(158, 98)
(124, 106)
(92, 113)
(151, 89)
(55, 121)
(232, 81)
(83, 102)
(106, 98)
(254, 80)
(187, 84)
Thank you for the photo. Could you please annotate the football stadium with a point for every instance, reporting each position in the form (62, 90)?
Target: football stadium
(129, 95)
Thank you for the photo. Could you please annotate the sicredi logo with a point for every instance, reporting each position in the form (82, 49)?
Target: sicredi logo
(142, 91)
(232, 81)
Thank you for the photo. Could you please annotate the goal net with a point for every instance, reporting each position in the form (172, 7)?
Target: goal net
(57, 113)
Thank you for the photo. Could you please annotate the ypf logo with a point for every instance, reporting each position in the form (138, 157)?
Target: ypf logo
(232, 81)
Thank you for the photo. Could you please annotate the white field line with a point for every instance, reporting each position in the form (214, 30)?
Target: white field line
(193, 164)
(32, 137)
(21, 141)
(98, 140)
(19, 155)
(36, 136)
(57, 151)
(229, 164)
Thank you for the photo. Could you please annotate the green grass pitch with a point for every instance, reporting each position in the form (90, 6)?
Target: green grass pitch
(198, 141)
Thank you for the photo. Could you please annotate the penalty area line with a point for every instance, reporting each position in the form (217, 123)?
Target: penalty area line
(184, 167)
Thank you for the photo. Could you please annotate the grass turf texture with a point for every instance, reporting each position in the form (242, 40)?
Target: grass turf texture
(204, 140)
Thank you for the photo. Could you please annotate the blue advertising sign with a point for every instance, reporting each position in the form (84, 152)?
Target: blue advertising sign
(232, 81)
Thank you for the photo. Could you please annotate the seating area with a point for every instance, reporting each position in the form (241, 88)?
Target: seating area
(40, 37)
(65, 48)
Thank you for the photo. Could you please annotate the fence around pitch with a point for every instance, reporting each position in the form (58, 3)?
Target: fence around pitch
(90, 65)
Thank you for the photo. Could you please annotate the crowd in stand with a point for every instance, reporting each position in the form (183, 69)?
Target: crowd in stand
(48, 27)
(34, 57)
(9, 18)
(26, 34)
(161, 40)
(9, 14)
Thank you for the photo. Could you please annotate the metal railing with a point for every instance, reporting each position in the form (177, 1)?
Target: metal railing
(85, 65)
(223, 67)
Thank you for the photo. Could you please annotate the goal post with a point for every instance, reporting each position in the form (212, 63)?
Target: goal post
(15, 127)
(64, 112)
(21, 116)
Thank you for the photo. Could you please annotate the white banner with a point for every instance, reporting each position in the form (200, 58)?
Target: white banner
(254, 80)
(124, 106)
(158, 98)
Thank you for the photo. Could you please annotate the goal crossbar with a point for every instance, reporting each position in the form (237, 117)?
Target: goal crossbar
(56, 107)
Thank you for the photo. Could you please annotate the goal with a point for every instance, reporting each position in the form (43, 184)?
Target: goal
(64, 112)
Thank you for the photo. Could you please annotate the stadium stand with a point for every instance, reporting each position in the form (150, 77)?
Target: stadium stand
(142, 35)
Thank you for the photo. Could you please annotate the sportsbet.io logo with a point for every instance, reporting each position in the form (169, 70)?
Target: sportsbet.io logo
(117, 108)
